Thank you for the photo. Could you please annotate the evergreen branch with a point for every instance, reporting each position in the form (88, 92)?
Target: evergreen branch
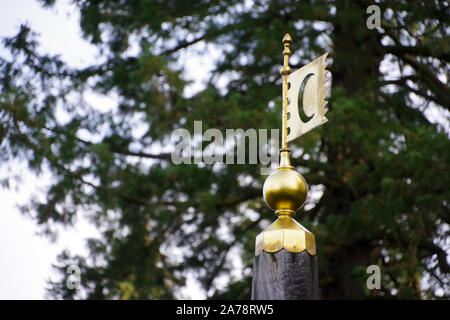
(428, 75)
(161, 156)
(402, 82)
(240, 199)
(225, 252)
(183, 45)
(399, 51)
(140, 201)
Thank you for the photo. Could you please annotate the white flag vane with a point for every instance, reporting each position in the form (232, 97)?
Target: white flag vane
(304, 94)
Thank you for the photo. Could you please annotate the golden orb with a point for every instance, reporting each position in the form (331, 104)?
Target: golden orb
(285, 191)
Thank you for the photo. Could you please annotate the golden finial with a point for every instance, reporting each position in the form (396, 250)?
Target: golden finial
(287, 40)
(285, 190)
(285, 71)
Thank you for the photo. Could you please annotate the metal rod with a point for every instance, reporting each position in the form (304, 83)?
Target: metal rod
(285, 71)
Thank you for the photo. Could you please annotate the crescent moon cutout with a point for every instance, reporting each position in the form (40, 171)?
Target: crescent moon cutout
(301, 112)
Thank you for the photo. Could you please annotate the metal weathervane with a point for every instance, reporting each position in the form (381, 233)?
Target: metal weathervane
(285, 190)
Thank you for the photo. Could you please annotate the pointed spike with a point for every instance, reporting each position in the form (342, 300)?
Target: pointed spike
(322, 58)
(287, 38)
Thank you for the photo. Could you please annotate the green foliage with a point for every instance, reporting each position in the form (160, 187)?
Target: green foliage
(381, 164)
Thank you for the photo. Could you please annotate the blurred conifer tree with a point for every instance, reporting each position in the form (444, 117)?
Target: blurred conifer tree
(380, 166)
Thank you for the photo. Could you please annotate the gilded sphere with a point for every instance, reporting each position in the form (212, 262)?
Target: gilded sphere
(285, 189)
